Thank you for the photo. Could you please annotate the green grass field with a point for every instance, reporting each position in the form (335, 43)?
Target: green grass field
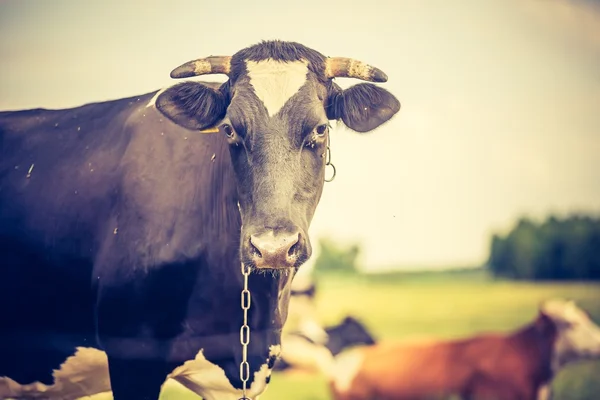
(444, 305)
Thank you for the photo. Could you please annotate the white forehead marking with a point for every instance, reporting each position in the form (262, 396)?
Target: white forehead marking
(210, 382)
(274, 82)
(83, 374)
(347, 366)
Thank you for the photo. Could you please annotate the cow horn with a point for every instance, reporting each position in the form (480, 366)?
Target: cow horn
(349, 68)
(203, 66)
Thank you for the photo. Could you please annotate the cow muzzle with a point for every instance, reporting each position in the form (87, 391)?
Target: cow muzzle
(276, 250)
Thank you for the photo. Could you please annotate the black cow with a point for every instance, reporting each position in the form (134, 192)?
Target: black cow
(124, 229)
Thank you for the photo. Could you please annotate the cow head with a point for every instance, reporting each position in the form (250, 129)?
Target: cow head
(351, 332)
(577, 336)
(274, 111)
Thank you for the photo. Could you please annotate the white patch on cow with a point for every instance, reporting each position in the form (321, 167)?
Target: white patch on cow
(86, 374)
(274, 82)
(83, 374)
(209, 380)
(578, 336)
(300, 353)
(544, 393)
(313, 330)
(303, 318)
(152, 102)
(346, 367)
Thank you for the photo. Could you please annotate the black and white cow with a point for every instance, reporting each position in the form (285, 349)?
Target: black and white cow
(306, 343)
(301, 350)
(123, 229)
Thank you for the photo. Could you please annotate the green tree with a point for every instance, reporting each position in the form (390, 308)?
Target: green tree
(335, 257)
(556, 249)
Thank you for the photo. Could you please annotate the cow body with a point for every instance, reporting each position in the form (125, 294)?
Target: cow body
(124, 231)
(89, 177)
(418, 371)
(517, 366)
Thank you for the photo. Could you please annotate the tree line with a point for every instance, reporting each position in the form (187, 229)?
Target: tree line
(337, 257)
(555, 249)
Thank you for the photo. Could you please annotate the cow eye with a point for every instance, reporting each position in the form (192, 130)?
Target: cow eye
(322, 129)
(228, 130)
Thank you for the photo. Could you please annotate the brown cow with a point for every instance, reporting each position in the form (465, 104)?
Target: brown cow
(515, 366)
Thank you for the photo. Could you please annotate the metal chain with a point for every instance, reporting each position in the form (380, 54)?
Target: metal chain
(328, 161)
(245, 333)
(246, 300)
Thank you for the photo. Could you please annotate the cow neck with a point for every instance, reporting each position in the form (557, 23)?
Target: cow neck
(538, 344)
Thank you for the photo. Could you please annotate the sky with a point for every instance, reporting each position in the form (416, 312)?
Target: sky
(500, 102)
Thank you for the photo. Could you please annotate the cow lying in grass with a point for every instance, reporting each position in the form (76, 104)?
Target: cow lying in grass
(306, 343)
(515, 366)
(300, 351)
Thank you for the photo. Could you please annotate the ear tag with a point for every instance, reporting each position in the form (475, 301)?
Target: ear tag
(209, 130)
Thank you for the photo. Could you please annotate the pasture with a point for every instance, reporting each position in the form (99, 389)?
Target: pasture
(444, 305)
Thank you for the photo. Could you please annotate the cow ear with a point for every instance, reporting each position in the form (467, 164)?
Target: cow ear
(362, 107)
(193, 105)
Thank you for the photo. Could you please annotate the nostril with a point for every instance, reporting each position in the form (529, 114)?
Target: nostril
(254, 250)
(295, 247)
(275, 249)
(293, 251)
